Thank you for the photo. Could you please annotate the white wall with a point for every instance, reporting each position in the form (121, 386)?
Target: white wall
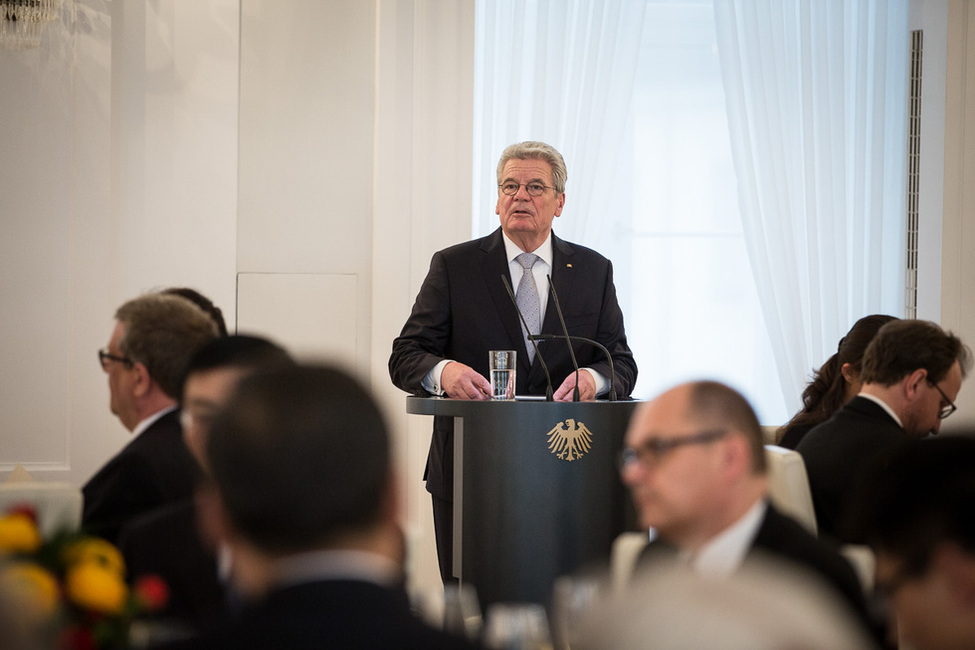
(119, 177)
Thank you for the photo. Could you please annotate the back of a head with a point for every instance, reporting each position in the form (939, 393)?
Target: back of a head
(918, 498)
(162, 332)
(203, 303)
(716, 405)
(903, 346)
(300, 457)
(241, 351)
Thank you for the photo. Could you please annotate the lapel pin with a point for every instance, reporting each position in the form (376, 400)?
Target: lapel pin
(568, 266)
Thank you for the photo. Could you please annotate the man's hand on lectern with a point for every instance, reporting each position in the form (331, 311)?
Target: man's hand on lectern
(587, 388)
(462, 382)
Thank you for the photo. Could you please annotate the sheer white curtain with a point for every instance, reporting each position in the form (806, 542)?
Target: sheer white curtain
(560, 71)
(816, 100)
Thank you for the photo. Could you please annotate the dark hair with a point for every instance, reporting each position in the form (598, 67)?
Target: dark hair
(718, 405)
(300, 457)
(203, 303)
(825, 394)
(162, 332)
(903, 346)
(237, 351)
(918, 498)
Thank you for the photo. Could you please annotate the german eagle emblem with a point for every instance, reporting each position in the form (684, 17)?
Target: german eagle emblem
(569, 440)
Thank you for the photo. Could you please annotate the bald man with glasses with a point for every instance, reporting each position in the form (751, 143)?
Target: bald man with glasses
(695, 464)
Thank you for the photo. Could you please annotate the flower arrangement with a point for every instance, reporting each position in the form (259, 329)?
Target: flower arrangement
(71, 588)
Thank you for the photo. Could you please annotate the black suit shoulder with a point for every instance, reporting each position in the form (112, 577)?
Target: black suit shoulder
(166, 542)
(787, 538)
(835, 453)
(155, 468)
(329, 614)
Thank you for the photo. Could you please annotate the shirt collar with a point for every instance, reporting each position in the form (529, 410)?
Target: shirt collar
(544, 251)
(149, 421)
(336, 565)
(884, 406)
(723, 554)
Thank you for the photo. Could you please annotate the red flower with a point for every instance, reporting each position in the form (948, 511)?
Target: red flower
(77, 637)
(152, 592)
(26, 509)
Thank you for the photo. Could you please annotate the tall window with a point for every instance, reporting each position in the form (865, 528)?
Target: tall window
(633, 95)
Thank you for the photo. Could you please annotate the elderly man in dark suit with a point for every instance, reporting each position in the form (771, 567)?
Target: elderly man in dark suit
(305, 497)
(695, 464)
(912, 372)
(154, 337)
(463, 311)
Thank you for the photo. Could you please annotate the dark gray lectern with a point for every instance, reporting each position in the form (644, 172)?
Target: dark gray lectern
(537, 491)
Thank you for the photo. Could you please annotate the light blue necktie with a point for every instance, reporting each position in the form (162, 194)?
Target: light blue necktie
(527, 296)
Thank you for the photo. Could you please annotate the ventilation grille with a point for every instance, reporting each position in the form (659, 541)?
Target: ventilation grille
(913, 172)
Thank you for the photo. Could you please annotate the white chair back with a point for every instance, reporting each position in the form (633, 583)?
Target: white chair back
(58, 505)
(789, 486)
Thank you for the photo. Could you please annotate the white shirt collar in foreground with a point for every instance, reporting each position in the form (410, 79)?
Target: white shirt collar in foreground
(724, 553)
(336, 565)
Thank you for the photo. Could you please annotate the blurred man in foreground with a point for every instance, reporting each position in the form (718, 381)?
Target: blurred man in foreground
(305, 498)
(916, 512)
(695, 463)
(168, 541)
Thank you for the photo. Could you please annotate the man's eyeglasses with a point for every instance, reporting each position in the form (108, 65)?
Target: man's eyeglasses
(653, 450)
(948, 408)
(104, 356)
(510, 188)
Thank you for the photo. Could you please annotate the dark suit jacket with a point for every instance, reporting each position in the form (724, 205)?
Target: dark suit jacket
(154, 469)
(166, 542)
(327, 614)
(463, 311)
(783, 538)
(837, 451)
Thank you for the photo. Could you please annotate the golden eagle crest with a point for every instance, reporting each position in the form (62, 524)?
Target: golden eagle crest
(569, 440)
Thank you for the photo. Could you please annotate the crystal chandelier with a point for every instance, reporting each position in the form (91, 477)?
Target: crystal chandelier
(21, 22)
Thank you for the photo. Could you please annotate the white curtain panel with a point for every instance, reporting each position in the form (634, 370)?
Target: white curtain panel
(816, 98)
(555, 58)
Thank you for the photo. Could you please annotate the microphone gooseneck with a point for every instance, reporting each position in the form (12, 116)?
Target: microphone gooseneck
(612, 371)
(541, 359)
(568, 339)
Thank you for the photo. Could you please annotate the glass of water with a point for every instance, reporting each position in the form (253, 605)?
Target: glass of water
(503, 364)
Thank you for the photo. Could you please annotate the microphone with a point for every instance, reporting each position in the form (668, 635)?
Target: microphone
(583, 339)
(538, 355)
(568, 339)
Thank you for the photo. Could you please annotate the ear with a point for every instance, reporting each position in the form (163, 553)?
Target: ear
(849, 373)
(735, 455)
(392, 505)
(558, 208)
(912, 383)
(143, 382)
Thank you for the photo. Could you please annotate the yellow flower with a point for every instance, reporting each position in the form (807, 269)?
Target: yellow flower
(32, 585)
(96, 587)
(95, 550)
(19, 534)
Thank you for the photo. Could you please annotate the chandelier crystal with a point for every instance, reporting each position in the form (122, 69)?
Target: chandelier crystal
(21, 22)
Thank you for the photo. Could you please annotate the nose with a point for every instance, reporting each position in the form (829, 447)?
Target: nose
(522, 193)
